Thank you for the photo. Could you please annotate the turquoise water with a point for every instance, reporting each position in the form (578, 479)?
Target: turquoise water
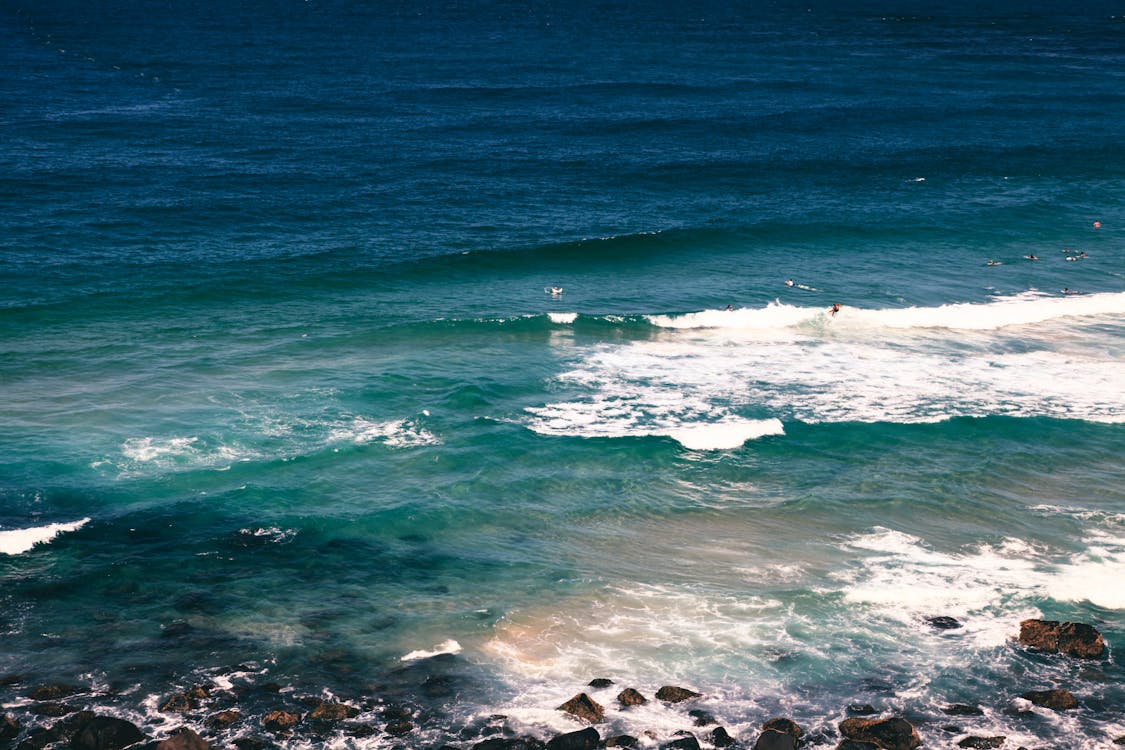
(287, 397)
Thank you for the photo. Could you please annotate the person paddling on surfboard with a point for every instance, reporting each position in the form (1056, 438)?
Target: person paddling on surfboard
(834, 309)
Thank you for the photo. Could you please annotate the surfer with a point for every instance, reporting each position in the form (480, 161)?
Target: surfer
(789, 282)
(995, 263)
(834, 309)
(554, 291)
(1067, 290)
(729, 307)
(1033, 256)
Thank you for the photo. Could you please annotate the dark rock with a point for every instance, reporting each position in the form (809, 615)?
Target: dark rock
(702, 718)
(585, 708)
(271, 687)
(10, 679)
(944, 623)
(630, 697)
(961, 709)
(1059, 700)
(1071, 638)
(183, 739)
(785, 726)
(1120, 740)
(180, 703)
(54, 710)
(981, 743)
(673, 694)
(9, 728)
(771, 739)
(622, 740)
(280, 721)
(600, 682)
(41, 737)
(862, 709)
(333, 712)
(720, 738)
(396, 713)
(583, 739)
(51, 692)
(512, 743)
(686, 742)
(253, 743)
(399, 728)
(106, 733)
(439, 686)
(889, 734)
(223, 719)
(856, 745)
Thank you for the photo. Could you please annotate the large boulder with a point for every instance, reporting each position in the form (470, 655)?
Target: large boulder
(9, 728)
(183, 739)
(673, 694)
(981, 743)
(1059, 700)
(106, 733)
(785, 726)
(720, 737)
(51, 692)
(280, 721)
(583, 739)
(630, 697)
(509, 743)
(585, 708)
(333, 712)
(771, 739)
(686, 741)
(888, 734)
(1071, 638)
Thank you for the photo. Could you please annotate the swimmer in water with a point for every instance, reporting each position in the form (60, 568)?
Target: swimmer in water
(995, 263)
(789, 282)
(834, 309)
(554, 291)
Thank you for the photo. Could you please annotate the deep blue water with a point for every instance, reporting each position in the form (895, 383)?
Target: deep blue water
(279, 352)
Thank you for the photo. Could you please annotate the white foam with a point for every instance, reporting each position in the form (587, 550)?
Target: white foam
(151, 449)
(445, 647)
(901, 366)
(563, 318)
(18, 541)
(725, 435)
(403, 433)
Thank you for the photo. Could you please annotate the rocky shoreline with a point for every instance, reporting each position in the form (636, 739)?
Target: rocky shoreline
(221, 716)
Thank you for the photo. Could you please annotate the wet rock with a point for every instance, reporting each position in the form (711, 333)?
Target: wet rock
(1120, 740)
(600, 682)
(583, 739)
(223, 719)
(51, 692)
(622, 740)
(397, 713)
(673, 694)
(9, 728)
(1059, 700)
(862, 709)
(439, 686)
(981, 743)
(53, 710)
(771, 739)
(785, 726)
(512, 743)
(183, 739)
(10, 679)
(333, 712)
(888, 734)
(106, 733)
(702, 718)
(720, 738)
(1071, 638)
(961, 709)
(944, 622)
(685, 741)
(280, 721)
(253, 743)
(856, 745)
(630, 697)
(585, 708)
(361, 731)
(399, 728)
(41, 737)
(179, 703)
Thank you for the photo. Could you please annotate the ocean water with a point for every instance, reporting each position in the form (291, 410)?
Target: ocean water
(286, 397)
